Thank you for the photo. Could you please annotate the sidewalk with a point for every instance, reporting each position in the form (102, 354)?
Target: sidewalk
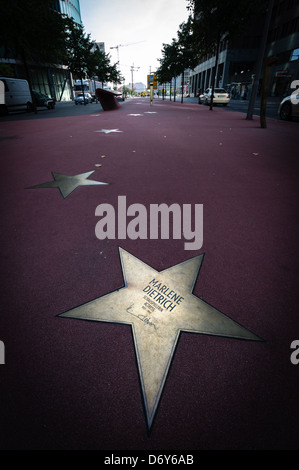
(192, 99)
(70, 384)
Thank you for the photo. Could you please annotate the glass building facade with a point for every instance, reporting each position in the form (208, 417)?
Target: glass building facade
(71, 8)
(54, 81)
(57, 82)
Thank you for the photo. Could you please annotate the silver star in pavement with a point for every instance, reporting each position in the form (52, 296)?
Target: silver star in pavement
(67, 184)
(108, 131)
(158, 306)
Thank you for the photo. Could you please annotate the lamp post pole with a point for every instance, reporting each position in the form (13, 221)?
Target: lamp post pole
(132, 70)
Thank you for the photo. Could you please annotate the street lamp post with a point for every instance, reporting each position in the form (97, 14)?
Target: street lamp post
(132, 70)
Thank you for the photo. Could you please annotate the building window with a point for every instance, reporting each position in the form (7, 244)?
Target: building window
(71, 9)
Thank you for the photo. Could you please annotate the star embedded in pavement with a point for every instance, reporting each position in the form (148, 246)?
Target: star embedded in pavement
(135, 114)
(67, 184)
(158, 306)
(108, 131)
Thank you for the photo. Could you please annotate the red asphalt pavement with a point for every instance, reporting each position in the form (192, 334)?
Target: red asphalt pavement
(69, 384)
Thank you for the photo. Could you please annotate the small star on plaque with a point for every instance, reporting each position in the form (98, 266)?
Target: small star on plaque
(158, 306)
(108, 131)
(67, 184)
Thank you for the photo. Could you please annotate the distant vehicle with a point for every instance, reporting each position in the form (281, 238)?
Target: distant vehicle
(289, 107)
(221, 96)
(17, 95)
(42, 100)
(83, 99)
(120, 97)
(89, 86)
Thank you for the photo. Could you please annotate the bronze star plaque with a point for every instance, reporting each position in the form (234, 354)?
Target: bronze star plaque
(67, 184)
(158, 306)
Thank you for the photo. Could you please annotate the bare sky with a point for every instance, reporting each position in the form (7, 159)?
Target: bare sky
(143, 24)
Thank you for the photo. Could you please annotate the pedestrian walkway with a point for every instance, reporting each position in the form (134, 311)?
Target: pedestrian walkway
(193, 99)
(74, 384)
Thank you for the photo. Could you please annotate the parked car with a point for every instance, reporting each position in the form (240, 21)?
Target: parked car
(17, 95)
(221, 96)
(83, 99)
(289, 107)
(42, 100)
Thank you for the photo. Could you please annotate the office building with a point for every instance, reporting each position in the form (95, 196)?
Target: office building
(54, 81)
(237, 59)
(71, 8)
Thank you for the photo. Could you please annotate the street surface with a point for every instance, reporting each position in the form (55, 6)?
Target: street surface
(241, 106)
(62, 109)
(69, 108)
(72, 384)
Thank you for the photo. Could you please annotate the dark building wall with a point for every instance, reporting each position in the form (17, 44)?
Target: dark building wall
(283, 40)
(238, 59)
(55, 81)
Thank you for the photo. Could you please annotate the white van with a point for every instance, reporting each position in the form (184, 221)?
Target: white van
(16, 95)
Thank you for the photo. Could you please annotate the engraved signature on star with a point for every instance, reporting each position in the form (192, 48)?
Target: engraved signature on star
(141, 317)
